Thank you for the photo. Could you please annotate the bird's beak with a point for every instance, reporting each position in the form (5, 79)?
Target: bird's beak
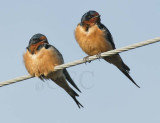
(97, 16)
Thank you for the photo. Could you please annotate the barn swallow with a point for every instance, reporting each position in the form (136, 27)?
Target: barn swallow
(94, 38)
(40, 60)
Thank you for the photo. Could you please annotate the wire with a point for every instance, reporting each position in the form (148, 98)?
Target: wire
(91, 58)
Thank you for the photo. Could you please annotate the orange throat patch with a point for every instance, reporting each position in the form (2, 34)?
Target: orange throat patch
(33, 48)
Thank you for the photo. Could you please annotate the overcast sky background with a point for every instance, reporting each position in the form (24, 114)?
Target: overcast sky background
(107, 95)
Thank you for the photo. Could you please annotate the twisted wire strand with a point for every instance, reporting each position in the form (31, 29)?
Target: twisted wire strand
(91, 58)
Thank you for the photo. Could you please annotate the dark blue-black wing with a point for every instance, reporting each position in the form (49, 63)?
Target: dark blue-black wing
(107, 34)
(68, 77)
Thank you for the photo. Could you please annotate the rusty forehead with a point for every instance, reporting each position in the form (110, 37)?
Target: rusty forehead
(43, 38)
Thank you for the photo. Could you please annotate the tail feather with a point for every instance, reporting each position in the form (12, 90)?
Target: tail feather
(125, 67)
(117, 61)
(70, 79)
(77, 102)
(125, 72)
(73, 94)
(63, 83)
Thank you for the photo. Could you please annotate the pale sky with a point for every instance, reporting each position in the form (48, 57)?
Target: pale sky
(107, 95)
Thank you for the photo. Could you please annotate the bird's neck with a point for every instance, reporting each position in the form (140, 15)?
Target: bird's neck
(86, 26)
(34, 47)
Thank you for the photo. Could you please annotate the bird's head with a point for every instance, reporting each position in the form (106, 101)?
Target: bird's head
(37, 38)
(90, 18)
(35, 41)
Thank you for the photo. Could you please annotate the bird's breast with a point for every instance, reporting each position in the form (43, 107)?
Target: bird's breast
(43, 62)
(92, 41)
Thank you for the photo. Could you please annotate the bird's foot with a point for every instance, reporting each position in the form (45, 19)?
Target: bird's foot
(86, 59)
(99, 56)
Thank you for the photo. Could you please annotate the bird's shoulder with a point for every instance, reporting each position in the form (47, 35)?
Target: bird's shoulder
(108, 35)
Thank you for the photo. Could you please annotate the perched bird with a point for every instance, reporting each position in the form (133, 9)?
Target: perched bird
(40, 60)
(94, 38)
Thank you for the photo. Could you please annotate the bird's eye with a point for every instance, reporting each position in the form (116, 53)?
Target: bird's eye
(90, 16)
